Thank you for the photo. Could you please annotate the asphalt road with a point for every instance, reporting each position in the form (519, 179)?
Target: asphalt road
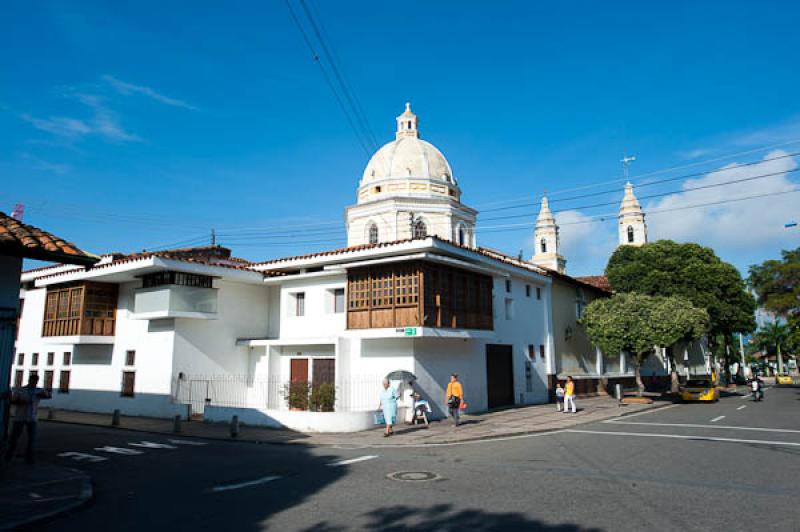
(733, 465)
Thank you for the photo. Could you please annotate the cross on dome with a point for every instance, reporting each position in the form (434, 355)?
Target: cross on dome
(407, 123)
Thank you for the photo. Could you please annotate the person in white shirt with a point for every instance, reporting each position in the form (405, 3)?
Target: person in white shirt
(26, 400)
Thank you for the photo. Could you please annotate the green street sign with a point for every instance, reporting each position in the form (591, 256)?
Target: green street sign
(411, 331)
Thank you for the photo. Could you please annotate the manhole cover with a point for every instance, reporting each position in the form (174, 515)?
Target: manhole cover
(413, 476)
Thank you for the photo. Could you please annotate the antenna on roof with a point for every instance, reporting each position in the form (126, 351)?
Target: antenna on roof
(18, 212)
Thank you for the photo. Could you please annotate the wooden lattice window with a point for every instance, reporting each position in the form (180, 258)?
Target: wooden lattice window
(382, 290)
(406, 287)
(358, 292)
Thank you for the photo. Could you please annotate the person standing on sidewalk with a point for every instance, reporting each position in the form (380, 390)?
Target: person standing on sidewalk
(569, 396)
(389, 406)
(454, 397)
(559, 397)
(26, 400)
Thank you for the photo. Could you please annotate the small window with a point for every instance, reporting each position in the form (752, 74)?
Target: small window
(509, 309)
(128, 382)
(541, 351)
(300, 304)
(462, 236)
(630, 234)
(18, 376)
(532, 351)
(67, 358)
(48, 380)
(130, 357)
(51, 359)
(420, 230)
(63, 381)
(35, 359)
(543, 245)
(580, 302)
(373, 234)
(20, 359)
(508, 285)
(538, 293)
(338, 300)
(527, 290)
(32, 373)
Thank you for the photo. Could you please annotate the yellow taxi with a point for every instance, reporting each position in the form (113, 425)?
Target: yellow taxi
(703, 390)
(784, 379)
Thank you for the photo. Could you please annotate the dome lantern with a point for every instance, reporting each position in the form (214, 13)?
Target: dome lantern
(407, 124)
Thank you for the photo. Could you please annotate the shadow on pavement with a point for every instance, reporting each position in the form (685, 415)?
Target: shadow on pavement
(443, 518)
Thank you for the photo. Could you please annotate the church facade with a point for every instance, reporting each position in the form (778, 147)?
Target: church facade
(305, 341)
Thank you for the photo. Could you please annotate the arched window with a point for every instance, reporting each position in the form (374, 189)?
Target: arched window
(419, 230)
(409, 124)
(373, 234)
(462, 236)
(630, 234)
(543, 245)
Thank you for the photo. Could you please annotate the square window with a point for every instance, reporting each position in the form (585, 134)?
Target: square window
(63, 381)
(67, 358)
(338, 300)
(51, 358)
(128, 382)
(130, 357)
(21, 359)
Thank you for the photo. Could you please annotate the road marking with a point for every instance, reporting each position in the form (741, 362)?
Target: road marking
(718, 418)
(151, 445)
(187, 442)
(742, 407)
(247, 484)
(83, 457)
(117, 450)
(696, 426)
(354, 460)
(682, 437)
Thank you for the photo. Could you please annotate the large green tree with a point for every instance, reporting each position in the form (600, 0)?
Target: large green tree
(771, 337)
(666, 268)
(636, 324)
(777, 283)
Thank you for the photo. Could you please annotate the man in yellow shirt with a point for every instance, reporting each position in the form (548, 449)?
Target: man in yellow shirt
(569, 396)
(454, 397)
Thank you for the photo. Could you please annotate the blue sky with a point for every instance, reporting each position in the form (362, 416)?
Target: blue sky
(126, 126)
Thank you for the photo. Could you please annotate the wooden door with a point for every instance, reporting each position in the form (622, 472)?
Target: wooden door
(324, 371)
(499, 375)
(298, 371)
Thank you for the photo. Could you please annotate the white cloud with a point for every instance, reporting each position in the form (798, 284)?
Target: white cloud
(103, 122)
(754, 225)
(125, 88)
(40, 164)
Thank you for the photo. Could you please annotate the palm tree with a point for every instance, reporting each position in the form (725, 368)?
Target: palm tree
(770, 337)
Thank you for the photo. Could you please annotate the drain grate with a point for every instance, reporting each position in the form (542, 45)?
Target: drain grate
(413, 476)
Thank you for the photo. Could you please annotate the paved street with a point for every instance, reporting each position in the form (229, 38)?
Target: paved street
(731, 465)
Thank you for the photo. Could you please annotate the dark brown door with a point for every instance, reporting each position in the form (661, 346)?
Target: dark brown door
(323, 371)
(499, 376)
(299, 370)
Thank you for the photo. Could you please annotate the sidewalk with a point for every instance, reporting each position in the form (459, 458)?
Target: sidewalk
(492, 425)
(29, 494)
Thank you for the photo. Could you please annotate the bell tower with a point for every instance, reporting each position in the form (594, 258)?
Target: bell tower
(632, 227)
(547, 242)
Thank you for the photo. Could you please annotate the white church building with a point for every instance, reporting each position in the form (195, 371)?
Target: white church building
(304, 342)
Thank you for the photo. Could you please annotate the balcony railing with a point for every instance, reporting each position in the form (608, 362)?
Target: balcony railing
(83, 309)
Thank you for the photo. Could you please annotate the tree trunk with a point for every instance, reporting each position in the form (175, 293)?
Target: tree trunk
(639, 383)
(780, 360)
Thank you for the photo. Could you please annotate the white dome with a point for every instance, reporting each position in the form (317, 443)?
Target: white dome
(408, 156)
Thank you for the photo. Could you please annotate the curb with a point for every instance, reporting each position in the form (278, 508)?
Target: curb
(337, 444)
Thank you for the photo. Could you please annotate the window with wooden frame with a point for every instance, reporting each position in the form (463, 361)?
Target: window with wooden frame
(541, 351)
(67, 358)
(130, 357)
(48, 380)
(18, 376)
(63, 381)
(51, 358)
(508, 286)
(531, 351)
(35, 359)
(33, 373)
(128, 383)
(381, 289)
(527, 290)
(80, 309)
(20, 359)
(299, 304)
(406, 287)
(358, 291)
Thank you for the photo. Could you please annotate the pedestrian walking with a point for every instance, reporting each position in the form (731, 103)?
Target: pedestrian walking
(388, 406)
(559, 397)
(569, 396)
(26, 415)
(454, 398)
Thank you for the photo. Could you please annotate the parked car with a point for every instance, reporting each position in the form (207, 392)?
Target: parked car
(784, 379)
(702, 390)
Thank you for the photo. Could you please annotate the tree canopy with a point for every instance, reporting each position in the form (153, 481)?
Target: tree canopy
(636, 323)
(777, 283)
(667, 268)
